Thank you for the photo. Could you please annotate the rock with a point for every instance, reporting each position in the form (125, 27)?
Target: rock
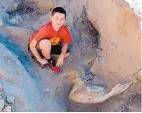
(17, 20)
(121, 58)
(136, 6)
(19, 35)
(1, 88)
(1, 91)
(10, 5)
(1, 22)
(13, 5)
(13, 80)
(40, 6)
(2, 94)
(42, 21)
(0, 97)
(10, 99)
(1, 104)
(7, 109)
(4, 18)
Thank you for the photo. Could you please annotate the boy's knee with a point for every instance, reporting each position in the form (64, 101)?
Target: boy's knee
(45, 43)
(45, 47)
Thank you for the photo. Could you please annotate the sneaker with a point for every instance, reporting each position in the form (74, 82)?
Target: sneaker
(52, 65)
(42, 66)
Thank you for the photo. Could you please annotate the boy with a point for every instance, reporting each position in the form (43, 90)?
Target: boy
(51, 39)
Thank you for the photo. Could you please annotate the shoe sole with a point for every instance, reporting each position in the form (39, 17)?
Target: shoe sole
(44, 66)
(50, 69)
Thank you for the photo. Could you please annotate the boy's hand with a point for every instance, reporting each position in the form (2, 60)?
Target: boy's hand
(60, 61)
(43, 61)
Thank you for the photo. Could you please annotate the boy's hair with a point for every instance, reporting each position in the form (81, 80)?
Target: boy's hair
(59, 10)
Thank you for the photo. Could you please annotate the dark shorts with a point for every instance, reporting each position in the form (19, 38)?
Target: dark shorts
(55, 50)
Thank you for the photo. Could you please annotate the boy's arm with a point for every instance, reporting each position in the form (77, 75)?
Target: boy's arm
(65, 41)
(62, 55)
(64, 49)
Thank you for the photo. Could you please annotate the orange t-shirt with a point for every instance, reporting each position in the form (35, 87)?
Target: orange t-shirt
(47, 31)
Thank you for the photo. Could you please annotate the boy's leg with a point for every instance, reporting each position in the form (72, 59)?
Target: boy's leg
(39, 52)
(57, 49)
(45, 48)
(56, 56)
(31, 54)
(40, 47)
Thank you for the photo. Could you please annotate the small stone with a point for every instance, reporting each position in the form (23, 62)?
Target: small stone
(0, 97)
(16, 20)
(10, 99)
(1, 22)
(1, 92)
(1, 88)
(1, 104)
(12, 5)
(7, 109)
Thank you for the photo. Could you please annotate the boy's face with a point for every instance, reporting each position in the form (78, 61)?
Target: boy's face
(58, 19)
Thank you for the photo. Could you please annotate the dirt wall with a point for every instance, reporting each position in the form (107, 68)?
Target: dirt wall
(120, 37)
